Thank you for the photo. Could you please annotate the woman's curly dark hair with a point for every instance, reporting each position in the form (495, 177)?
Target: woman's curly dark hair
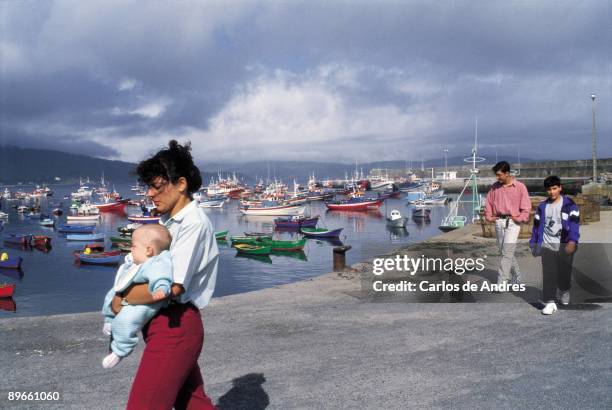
(171, 164)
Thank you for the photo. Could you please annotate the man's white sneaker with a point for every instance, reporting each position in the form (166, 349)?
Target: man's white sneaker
(564, 298)
(550, 308)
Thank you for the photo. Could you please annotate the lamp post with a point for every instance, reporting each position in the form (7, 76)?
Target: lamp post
(445, 163)
(594, 135)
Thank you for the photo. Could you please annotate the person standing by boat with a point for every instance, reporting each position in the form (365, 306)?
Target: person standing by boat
(507, 205)
(169, 374)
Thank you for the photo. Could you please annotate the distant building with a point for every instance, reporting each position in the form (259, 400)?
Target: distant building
(446, 175)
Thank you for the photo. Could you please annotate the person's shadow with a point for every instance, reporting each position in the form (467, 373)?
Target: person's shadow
(246, 393)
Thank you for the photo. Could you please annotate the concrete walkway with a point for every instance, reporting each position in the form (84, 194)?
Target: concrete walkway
(317, 344)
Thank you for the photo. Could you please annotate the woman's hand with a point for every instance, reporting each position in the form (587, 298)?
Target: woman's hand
(116, 304)
(138, 294)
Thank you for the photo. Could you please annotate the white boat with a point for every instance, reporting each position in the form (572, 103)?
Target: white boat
(22, 209)
(6, 194)
(215, 203)
(283, 210)
(3, 215)
(396, 220)
(47, 222)
(83, 218)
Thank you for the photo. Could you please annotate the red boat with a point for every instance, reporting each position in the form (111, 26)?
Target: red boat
(7, 290)
(8, 304)
(41, 240)
(354, 204)
(111, 207)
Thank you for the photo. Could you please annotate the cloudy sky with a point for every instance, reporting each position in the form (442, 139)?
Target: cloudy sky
(313, 80)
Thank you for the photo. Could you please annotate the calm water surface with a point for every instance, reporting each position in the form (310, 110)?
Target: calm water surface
(50, 283)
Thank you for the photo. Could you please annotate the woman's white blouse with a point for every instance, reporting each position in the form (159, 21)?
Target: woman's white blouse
(194, 252)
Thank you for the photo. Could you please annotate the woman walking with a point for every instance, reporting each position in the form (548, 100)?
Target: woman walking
(169, 375)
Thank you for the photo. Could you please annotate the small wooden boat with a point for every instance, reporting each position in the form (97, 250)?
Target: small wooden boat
(121, 239)
(257, 234)
(128, 229)
(18, 239)
(22, 209)
(47, 222)
(354, 204)
(143, 219)
(280, 210)
(103, 258)
(7, 290)
(10, 262)
(253, 249)
(83, 218)
(34, 215)
(296, 222)
(93, 237)
(221, 235)
(321, 232)
(76, 228)
(212, 203)
(450, 223)
(395, 219)
(41, 240)
(57, 211)
(250, 240)
(277, 245)
(111, 207)
(3, 215)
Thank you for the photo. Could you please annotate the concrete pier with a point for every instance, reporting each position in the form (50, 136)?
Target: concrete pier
(317, 344)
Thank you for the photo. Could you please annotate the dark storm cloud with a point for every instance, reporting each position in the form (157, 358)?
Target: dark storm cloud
(99, 74)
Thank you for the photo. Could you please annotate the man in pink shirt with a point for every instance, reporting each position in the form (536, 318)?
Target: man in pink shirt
(507, 205)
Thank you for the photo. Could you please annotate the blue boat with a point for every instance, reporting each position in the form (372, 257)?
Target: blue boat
(106, 258)
(76, 228)
(10, 262)
(89, 237)
(17, 239)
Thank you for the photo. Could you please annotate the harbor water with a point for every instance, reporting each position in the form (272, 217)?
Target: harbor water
(51, 283)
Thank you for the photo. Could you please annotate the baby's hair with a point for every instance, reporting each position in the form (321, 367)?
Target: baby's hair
(157, 235)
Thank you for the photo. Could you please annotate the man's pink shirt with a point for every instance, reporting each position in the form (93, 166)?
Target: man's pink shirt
(508, 200)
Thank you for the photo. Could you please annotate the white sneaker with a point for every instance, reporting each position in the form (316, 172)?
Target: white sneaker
(565, 298)
(550, 308)
(110, 361)
(106, 329)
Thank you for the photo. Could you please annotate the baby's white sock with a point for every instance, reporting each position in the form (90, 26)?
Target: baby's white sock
(106, 329)
(111, 361)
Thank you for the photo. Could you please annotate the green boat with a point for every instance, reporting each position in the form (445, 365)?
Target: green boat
(221, 235)
(284, 245)
(120, 239)
(249, 240)
(253, 249)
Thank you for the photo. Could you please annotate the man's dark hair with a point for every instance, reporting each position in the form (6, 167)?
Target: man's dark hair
(502, 166)
(552, 180)
(171, 164)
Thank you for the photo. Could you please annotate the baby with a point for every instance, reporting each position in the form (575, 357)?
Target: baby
(149, 262)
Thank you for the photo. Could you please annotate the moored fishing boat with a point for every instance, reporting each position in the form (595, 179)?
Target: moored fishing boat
(396, 220)
(89, 237)
(17, 239)
(251, 240)
(41, 240)
(221, 235)
(279, 245)
(253, 249)
(354, 204)
(296, 221)
(10, 262)
(121, 239)
(111, 207)
(83, 218)
(48, 222)
(76, 228)
(103, 258)
(7, 290)
(321, 232)
(128, 229)
(273, 210)
(142, 219)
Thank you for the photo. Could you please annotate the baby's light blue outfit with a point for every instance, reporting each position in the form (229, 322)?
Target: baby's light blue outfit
(157, 271)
